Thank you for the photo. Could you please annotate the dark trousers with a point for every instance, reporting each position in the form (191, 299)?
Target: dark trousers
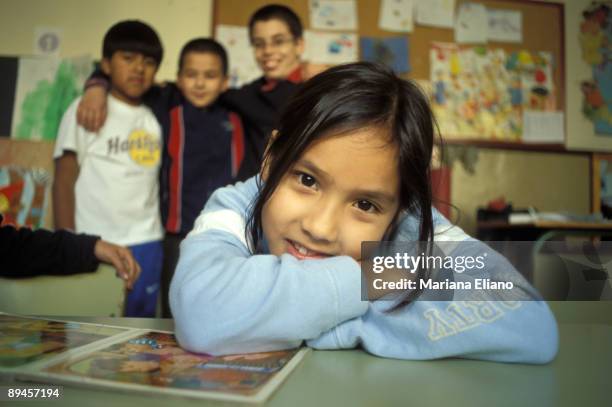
(172, 243)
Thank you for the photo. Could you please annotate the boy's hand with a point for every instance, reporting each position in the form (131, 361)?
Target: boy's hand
(91, 113)
(121, 258)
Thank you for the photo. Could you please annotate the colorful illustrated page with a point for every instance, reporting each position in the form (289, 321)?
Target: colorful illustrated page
(156, 359)
(482, 93)
(25, 340)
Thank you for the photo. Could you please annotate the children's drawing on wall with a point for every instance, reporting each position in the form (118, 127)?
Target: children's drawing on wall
(392, 52)
(504, 25)
(596, 43)
(242, 66)
(435, 13)
(330, 48)
(45, 88)
(24, 195)
(482, 93)
(471, 24)
(333, 14)
(396, 15)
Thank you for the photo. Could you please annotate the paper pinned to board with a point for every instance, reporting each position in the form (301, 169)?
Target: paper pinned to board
(333, 14)
(436, 13)
(48, 41)
(392, 51)
(330, 48)
(396, 15)
(472, 24)
(242, 67)
(543, 127)
(505, 25)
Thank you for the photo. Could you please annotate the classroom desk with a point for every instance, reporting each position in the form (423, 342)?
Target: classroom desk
(522, 243)
(495, 230)
(581, 375)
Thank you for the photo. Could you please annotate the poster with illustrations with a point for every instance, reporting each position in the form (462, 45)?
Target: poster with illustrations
(482, 93)
(46, 86)
(24, 195)
(596, 44)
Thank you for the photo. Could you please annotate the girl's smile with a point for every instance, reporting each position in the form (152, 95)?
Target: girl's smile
(302, 253)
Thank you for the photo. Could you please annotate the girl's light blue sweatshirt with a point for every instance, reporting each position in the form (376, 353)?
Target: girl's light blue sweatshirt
(226, 300)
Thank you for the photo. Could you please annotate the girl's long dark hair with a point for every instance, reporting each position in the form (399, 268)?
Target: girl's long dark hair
(346, 98)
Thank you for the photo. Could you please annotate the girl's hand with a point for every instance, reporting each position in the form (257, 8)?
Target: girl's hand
(121, 258)
(91, 112)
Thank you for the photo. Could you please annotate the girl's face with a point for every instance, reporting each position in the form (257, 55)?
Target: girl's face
(342, 191)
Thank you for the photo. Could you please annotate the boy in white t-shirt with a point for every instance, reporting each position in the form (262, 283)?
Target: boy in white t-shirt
(107, 183)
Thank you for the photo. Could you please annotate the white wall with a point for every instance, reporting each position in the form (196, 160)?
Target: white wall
(84, 22)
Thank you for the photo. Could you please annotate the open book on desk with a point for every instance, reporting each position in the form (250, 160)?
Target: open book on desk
(134, 360)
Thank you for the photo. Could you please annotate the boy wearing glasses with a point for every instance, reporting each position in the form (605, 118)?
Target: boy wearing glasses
(275, 33)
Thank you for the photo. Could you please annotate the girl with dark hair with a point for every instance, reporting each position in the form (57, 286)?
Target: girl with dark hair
(276, 260)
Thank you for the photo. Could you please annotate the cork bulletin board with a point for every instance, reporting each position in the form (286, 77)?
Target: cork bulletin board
(542, 31)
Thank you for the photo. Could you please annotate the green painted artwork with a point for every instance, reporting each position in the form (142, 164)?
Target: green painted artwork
(45, 89)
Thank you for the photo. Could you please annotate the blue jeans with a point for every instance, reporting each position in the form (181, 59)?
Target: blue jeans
(141, 301)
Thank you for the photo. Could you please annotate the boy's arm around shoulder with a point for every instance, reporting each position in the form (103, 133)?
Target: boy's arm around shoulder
(226, 300)
(520, 329)
(92, 109)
